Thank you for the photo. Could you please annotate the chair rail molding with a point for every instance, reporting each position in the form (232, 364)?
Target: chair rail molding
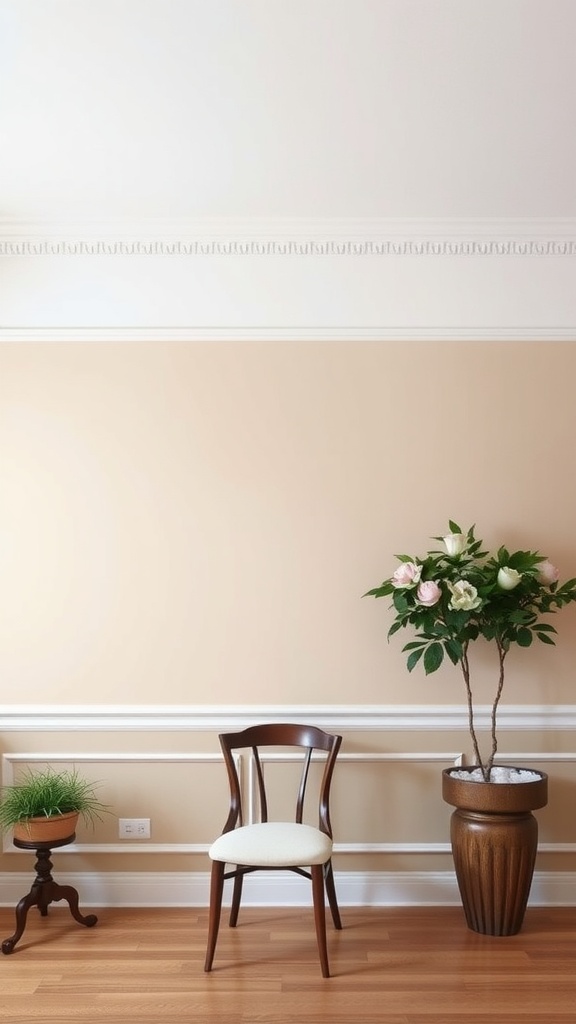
(219, 718)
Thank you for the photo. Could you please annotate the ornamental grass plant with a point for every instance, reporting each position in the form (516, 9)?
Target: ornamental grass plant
(458, 593)
(48, 793)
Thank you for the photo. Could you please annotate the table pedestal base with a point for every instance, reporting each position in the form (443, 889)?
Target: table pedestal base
(45, 891)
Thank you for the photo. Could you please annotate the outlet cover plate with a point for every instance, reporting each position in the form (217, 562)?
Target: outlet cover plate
(134, 828)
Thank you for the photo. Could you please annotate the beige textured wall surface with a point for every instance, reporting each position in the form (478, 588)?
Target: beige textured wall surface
(196, 522)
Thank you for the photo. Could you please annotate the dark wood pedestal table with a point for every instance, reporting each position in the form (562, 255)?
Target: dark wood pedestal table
(45, 890)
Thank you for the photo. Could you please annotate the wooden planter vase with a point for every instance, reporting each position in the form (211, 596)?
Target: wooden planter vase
(46, 830)
(494, 839)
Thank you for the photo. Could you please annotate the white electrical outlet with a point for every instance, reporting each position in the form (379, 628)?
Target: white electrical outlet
(134, 828)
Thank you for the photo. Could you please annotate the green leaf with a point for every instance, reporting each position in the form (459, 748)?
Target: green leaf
(400, 602)
(454, 528)
(433, 658)
(518, 615)
(524, 637)
(394, 628)
(414, 658)
(545, 638)
(453, 650)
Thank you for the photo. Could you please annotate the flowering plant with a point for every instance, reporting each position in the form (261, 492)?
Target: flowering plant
(456, 594)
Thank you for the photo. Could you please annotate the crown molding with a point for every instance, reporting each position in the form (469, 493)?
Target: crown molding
(322, 242)
(291, 237)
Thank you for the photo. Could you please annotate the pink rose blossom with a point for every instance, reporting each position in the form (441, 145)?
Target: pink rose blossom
(547, 573)
(428, 593)
(407, 575)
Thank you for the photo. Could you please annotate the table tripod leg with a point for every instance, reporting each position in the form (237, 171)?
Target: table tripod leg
(68, 893)
(31, 900)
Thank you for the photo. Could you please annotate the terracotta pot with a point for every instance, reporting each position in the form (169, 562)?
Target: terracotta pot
(46, 830)
(494, 843)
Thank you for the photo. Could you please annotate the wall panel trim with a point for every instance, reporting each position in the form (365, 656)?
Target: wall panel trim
(125, 847)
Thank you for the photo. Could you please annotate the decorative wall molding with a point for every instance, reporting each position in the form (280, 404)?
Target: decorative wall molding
(101, 888)
(9, 760)
(439, 259)
(445, 758)
(292, 238)
(355, 889)
(219, 718)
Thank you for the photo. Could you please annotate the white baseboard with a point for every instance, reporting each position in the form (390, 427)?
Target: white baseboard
(355, 889)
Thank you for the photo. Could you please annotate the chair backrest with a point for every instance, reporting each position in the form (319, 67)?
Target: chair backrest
(308, 738)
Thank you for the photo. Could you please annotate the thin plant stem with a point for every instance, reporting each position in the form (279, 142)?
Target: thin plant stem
(502, 651)
(465, 666)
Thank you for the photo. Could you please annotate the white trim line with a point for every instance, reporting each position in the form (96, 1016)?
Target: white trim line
(232, 717)
(436, 332)
(201, 849)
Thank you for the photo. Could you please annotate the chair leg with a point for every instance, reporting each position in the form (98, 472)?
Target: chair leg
(317, 872)
(331, 893)
(236, 897)
(216, 892)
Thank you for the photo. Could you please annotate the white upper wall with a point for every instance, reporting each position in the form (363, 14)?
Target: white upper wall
(350, 120)
(294, 108)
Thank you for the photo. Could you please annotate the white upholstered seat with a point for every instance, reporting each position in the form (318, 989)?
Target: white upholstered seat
(273, 844)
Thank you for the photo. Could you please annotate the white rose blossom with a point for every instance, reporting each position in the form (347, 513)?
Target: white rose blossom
(464, 596)
(455, 543)
(508, 578)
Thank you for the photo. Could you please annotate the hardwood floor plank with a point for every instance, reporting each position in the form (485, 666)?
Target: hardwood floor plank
(389, 966)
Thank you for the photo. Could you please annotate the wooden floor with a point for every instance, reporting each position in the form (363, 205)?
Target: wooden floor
(390, 966)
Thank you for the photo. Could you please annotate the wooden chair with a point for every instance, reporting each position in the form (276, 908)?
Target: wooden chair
(273, 845)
